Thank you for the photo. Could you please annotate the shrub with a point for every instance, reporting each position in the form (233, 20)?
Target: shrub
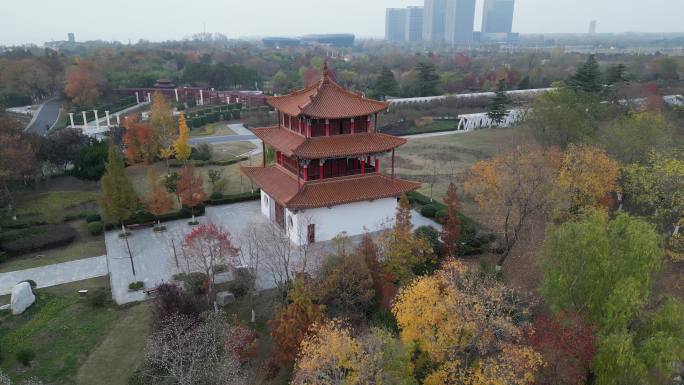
(180, 106)
(95, 228)
(440, 215)
(201, 152)
(55, 236)
(99, 297)
(90, 161)
(428, 211)
(25, 356)
(93, 218)
(234, 198)
(172, 300)
(242, 282)
(216, 195)
(135, 286)
(431, 235)
(193, 283)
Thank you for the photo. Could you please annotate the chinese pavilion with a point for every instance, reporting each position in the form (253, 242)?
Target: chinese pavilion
(326, 176)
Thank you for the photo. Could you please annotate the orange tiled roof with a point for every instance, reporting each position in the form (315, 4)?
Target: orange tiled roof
(326, 99)
(327, 192)
(291, 143)
(278, 183)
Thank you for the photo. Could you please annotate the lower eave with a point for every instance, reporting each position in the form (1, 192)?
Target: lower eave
(279, 184)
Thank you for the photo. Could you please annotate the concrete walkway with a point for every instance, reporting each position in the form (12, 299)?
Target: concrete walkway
(56, 274)
(433, 134)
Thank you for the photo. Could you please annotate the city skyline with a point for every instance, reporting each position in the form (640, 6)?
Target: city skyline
(239, 20)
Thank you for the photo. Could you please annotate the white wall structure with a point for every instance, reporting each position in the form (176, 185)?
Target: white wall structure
(471, 122)
(352, 218)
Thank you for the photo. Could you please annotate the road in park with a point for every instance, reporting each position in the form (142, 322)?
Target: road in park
(47, 116)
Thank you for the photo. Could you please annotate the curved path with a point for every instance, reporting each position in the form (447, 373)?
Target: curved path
(57, 274)
(46, 116)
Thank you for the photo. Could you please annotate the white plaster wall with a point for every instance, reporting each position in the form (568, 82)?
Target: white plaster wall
(266, 204)
(354, 218)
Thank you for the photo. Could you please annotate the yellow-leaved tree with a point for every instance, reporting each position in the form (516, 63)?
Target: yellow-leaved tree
(467, 327)
(588, 176)
(181, 147)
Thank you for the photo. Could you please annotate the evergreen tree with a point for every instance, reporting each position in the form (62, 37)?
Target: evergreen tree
(616, 74)
(497, 109)
(427, 80)
(588, 77)
(386, 85)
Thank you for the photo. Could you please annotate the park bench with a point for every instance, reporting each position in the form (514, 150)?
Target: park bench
(137, 226)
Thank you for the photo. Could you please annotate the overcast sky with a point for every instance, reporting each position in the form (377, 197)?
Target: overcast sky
(37, 21)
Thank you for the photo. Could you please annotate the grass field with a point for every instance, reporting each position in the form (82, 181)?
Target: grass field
(63, 200)
(64, 330)
(121, 352)
(441, 159)
(235, 183)
(84, 246)
(229, 150)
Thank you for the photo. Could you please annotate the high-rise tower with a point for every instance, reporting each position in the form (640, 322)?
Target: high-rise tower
(460, 21)
(497, 16)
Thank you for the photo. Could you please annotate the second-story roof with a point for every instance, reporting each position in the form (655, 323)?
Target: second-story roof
(292, 144)
(326, 99)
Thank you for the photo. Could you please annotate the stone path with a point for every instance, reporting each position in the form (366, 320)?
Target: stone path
(56, 274)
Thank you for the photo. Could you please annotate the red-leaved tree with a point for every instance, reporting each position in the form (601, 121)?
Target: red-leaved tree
(567, 343)
(206, 247)
(191, 188)
(451, 229)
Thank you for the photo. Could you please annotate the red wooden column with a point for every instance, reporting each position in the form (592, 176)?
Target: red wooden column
(377, 164)
(363, 166)
(306, 172)
(352, 125)
(392, 163)
(368, 124)
(299, 124)
(321, 162)
(327, 127)
(308, 128)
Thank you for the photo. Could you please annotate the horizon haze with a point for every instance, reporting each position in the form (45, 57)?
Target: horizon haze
(175, 19)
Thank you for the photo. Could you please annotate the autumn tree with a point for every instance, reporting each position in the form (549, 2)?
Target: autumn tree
(189, 351)
(656, 188)
(162, 122)
(469, 328)
(563, 116)
(118, 200)
(139, 142)
(401, 250)
(191, 188)
(17, 158)
(206, 247)
(513, 188)
(181, 147)
(84, 83)
(292, 321)
(632, 137)
(587, 175)
(568, 345)
(345, 286)
(157, 201)
(451, 229)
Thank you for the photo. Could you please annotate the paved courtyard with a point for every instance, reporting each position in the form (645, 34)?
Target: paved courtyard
(153, 254)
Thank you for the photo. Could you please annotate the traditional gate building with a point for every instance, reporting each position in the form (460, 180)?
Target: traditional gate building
(326, 177)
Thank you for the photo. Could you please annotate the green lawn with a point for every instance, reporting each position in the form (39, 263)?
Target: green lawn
(218, 128)
(37, 203)
(121, 352)
(63, 330)
(84, 246)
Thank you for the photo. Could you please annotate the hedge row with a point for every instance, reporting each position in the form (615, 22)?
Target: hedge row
(54, 236)
(248, 196)
(31, 222)
(201, 163)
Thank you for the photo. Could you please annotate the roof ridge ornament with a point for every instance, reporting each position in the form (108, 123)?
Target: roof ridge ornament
(326, 73)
